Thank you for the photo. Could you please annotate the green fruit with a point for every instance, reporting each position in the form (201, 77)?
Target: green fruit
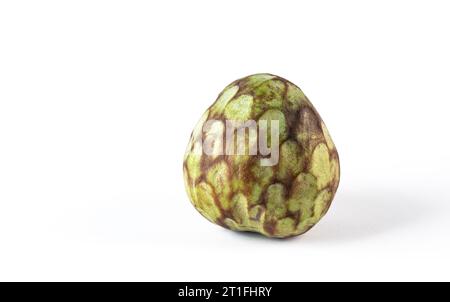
(261, 159)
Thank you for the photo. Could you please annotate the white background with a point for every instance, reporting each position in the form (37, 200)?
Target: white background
(98, 99)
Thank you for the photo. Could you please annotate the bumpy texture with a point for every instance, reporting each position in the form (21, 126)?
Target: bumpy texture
(236, 191)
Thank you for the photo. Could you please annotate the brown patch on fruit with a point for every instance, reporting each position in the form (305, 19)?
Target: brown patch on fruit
(258, 215)
(270, 227)
(292, 118)
(294, 215)
(335, 182)
(309, 121)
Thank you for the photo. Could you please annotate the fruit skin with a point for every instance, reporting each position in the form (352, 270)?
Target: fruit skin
(236, 192)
